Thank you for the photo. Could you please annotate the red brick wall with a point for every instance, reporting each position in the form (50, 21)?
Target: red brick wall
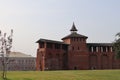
(51, 59)
(77, 54)
(103, 60)
(77, 57)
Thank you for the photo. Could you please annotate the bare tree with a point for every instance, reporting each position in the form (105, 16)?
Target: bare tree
(5, 47)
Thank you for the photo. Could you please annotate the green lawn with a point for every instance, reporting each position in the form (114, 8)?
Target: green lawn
(65, 75)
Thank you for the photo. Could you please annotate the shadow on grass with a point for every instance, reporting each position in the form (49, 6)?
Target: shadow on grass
(6, 79)
(27, 79)
(22, 79)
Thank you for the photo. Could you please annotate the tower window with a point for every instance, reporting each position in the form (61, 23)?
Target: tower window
(80, 39)
(49, 45)
(74, 39)
(57, 55)
(90, 48)
(83, 39)
(57, 46)
(104, 49)
(64, 47)
(71, 39)
(78, 48)
(94, 48)
(77, 39)
(72, 48)
(41, 44)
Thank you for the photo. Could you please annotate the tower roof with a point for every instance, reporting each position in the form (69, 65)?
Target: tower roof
(74, 35)
(73, 27)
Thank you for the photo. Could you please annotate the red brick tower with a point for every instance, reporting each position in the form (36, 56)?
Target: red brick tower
(51, 55)
(77, 52)
(40, 60)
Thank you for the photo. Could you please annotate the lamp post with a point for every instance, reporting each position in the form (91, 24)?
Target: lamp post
(5, 47)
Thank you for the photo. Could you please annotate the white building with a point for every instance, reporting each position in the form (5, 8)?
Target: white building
(20, 62)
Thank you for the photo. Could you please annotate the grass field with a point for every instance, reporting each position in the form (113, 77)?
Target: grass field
(65, 75)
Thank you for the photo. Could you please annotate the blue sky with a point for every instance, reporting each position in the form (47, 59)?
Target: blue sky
(52, 19)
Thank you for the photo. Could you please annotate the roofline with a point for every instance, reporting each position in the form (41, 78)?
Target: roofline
(73, 37)
(52, 41)
(100, 44)
(19, 57)
(66, 37)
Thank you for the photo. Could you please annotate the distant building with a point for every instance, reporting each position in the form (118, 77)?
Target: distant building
(20, 62)
(75, 53)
